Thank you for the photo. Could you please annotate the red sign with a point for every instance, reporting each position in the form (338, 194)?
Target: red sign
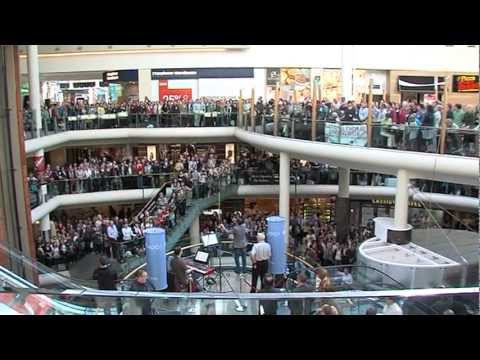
(465, 83)
(167, 94)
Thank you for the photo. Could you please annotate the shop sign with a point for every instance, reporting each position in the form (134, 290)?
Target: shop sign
(390, 202)
(201, 73)
(273, 76)
(465, 83)
(77, 85)
(120, 75)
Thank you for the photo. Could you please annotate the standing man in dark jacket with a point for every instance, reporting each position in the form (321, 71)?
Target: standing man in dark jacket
(106, 280)
(240, 245)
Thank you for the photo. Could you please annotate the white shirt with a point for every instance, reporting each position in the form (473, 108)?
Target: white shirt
(393, 309)
(261, 251)
(112, 232)
(127, 233)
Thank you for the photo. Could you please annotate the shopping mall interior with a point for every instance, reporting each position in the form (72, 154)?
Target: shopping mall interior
(239, 180)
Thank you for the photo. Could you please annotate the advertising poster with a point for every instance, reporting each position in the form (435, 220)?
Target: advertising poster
(295, 84)
(360, 85)
(167, 94)
(331, 84)
(114, 91)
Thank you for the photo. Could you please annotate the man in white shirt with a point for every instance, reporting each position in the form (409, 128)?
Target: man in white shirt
(112, 235)
(127, 232)
(261, 253)
(391, 307)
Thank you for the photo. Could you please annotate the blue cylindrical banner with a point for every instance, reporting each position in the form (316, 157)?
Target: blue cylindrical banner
(276, 239)
(156, 257)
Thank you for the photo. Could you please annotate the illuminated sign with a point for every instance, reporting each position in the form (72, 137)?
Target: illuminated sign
(120, 75)
(465, 83)
(112, 76)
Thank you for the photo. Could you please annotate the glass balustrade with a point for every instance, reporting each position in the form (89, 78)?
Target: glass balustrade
(461, 301)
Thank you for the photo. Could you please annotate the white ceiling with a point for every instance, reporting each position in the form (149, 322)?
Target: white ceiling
(58, 49)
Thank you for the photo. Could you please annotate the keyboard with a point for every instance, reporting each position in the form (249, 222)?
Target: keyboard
(203, 269)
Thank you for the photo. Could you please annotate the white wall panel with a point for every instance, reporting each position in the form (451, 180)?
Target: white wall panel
(225, 87)
(382, 57)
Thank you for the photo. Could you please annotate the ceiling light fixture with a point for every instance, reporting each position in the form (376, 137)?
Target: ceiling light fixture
(126, 52)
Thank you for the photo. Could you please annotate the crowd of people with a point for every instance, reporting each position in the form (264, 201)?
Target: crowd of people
(202, 172)
(310, 239)
(192, 176)
(70, 239)
(408, 125)
(409, 111)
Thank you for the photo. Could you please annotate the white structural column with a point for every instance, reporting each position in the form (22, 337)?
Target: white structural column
(144, 84)
(284, 196)
(347, 71)
(35, 105)
(45, 227)
(34, 85)
(194, 231)
(401, 200)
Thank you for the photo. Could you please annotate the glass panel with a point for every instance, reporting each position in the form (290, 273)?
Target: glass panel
(406, 302)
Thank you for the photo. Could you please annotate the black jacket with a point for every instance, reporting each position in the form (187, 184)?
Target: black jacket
(106, 278)
(269, 306)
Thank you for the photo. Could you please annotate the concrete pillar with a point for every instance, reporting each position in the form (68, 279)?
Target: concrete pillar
(129, 151)
(401, 200)
(347, 72)
(342, 205)
(194, 231)
(284, 196)
(144, 84)
(401, 232)
(34, 85)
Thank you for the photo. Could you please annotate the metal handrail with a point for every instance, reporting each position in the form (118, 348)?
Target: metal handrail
(407, 293)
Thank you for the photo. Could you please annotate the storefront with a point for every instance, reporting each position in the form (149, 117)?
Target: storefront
(422, 89)
(193, 83)
(91, 91)
(122, 85)
(364, 210)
